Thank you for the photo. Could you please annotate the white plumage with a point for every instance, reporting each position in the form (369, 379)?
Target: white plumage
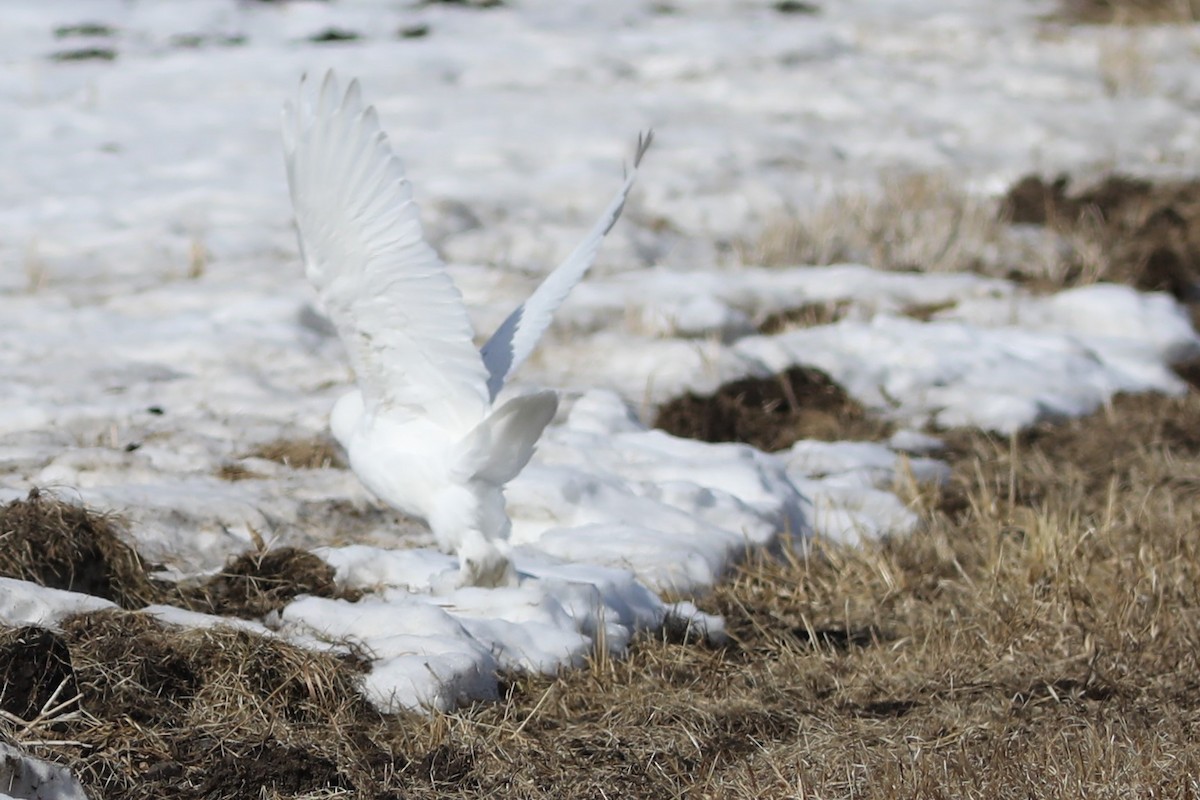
(420, 431)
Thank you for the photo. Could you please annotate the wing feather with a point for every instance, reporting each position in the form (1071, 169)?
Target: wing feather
(518, 335)
(398, 313)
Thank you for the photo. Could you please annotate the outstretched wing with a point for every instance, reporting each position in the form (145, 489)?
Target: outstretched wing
(516, 337)
(396, 309)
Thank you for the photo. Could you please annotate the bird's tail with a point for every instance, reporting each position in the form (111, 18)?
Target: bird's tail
(500, 446)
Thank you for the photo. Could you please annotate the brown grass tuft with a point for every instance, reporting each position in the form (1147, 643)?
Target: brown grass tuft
(66, 546)
(1127, 230)
(234, 472)
(217, 713)
(920, 222)
(256, 583)
(318, 452)
(1130, 12)
(809, 315)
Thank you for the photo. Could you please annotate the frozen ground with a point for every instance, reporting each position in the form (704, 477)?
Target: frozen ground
(157, 326)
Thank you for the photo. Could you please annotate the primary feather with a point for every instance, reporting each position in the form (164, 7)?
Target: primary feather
(420, 430)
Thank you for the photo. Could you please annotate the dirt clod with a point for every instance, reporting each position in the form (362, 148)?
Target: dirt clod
(771, 413)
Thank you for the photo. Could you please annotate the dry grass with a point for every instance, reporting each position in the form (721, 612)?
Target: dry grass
(921, 222)
(1130, 12)
(1122, 229)
(1039, 638)
(317, 452)
(65, 546)
(1043, 233)
(62, 545)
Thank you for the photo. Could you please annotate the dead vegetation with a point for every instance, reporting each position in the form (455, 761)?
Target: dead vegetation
(809, 315)
(65, 546)
(256, 583)
(917, 222)
(1138, 232)
(317, 452)
(1130, 12)
(160, 711)
(59, 544)
(772, 413)
(1037, 638)
(1043, 234)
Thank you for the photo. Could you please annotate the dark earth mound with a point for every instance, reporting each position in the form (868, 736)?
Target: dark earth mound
(1148, 232)
(254, 584)
(65, 546)
(772, 413)
(35, 671)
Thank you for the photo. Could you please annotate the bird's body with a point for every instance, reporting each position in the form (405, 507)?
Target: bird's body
(421, 431)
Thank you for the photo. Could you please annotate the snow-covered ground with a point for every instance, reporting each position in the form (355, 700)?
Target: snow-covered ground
(156, 324)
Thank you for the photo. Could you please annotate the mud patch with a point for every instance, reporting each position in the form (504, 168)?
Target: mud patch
(1132, 231)
(64, 546)
(255, 584)
(772, 413)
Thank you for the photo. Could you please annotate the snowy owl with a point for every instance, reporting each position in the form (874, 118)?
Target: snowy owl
(421, 430)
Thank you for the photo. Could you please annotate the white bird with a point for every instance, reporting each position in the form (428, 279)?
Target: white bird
(421, 431)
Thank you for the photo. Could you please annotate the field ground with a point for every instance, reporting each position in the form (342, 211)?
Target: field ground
(1037, 637)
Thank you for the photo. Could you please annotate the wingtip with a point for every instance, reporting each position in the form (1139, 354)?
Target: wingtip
(352, 101)
(645, 139)
(327, 96)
